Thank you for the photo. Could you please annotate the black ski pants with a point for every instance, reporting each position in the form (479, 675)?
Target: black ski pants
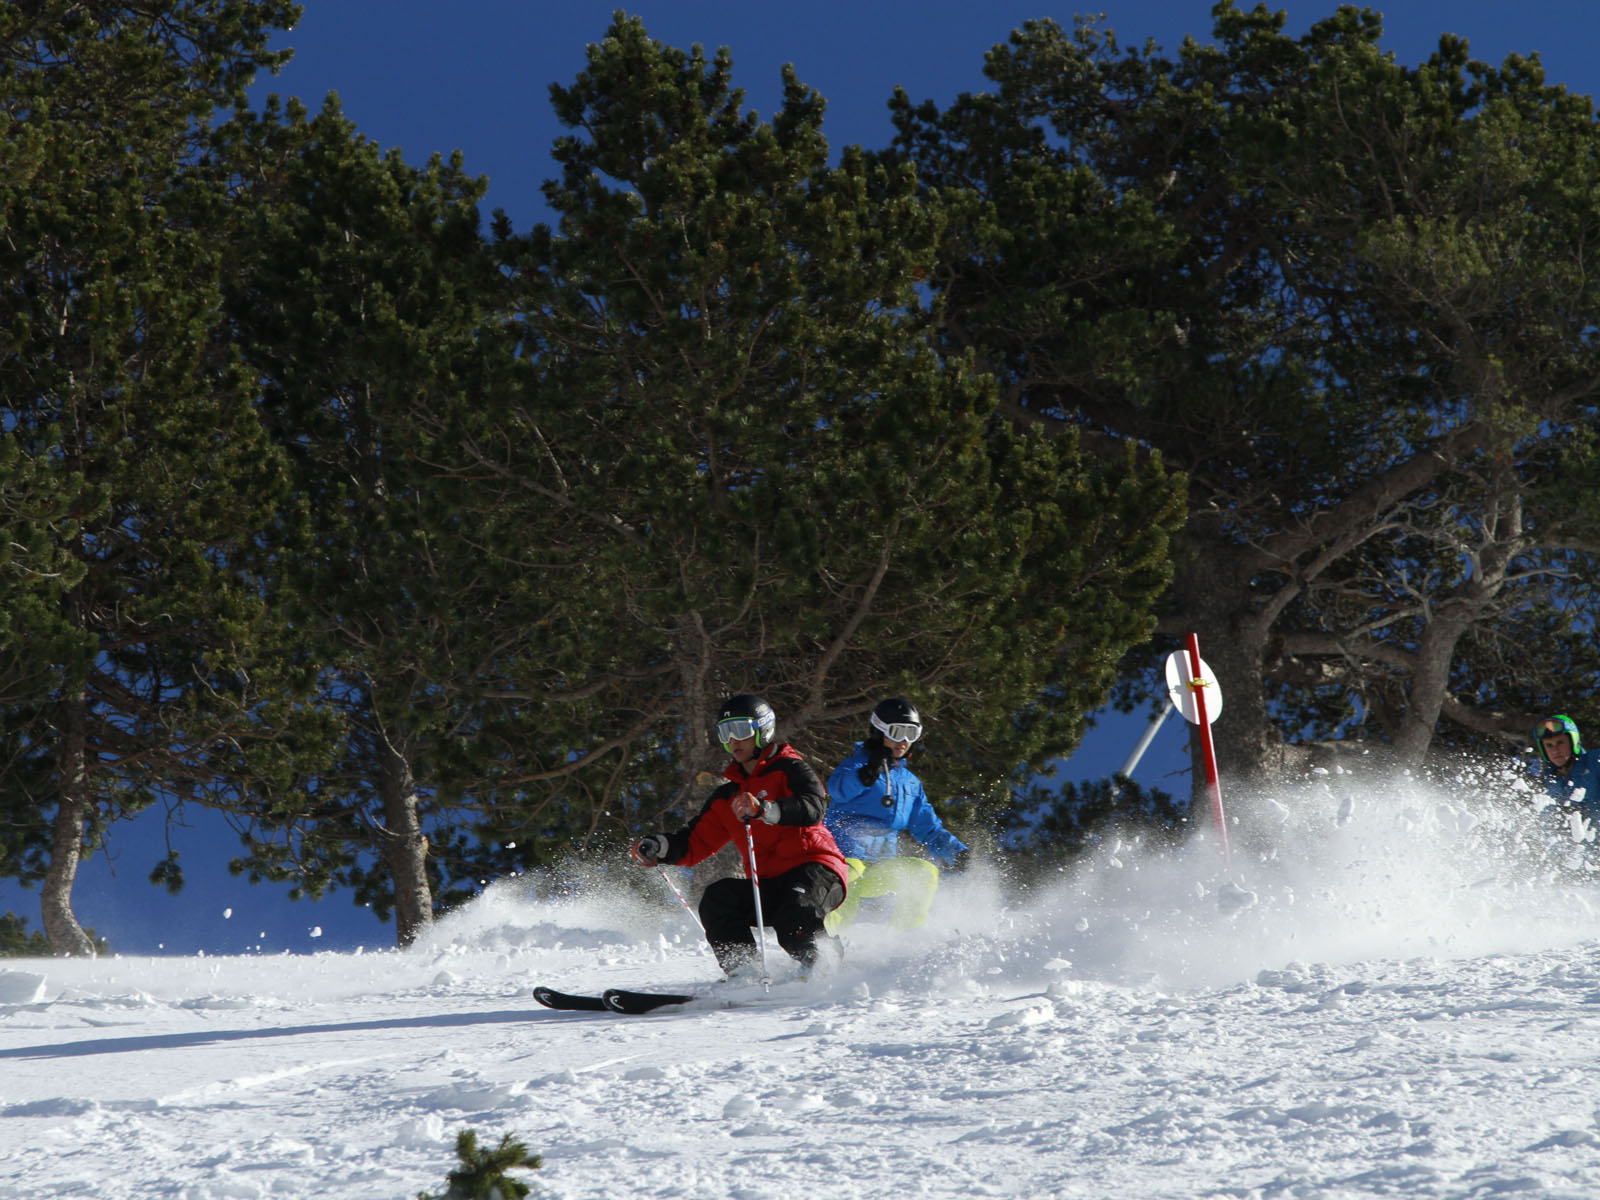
(793, 904)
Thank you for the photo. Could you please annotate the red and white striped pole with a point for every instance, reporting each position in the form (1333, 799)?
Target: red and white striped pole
(1198, 684)
(1188, 681)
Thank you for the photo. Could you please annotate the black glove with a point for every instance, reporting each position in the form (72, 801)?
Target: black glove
(648, 851)
(960, 862)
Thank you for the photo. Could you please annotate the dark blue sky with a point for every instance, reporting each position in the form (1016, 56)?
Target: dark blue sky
(474, 76)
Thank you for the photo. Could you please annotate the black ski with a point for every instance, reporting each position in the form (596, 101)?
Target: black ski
(617, 1000)
(620, 1001)
(565, 1000)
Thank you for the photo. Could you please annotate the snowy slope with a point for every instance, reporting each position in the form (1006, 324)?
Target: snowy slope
(1389, 993)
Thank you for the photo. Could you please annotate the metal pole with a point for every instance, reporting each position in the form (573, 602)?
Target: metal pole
(755, 888)
(693, 916)
(1144, 742)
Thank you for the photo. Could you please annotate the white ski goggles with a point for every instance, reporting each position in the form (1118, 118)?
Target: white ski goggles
(736, 729)
(898, 731)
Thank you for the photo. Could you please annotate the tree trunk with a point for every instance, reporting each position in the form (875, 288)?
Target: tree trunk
(1430, 684)
(1234, 645)
(404, 848)
(1243, 735)
(67, 937)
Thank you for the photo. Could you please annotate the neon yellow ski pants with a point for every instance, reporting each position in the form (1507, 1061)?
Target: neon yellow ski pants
(913, 880)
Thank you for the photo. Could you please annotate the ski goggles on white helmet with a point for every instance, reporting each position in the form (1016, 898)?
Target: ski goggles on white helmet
(897, 731)
(736, 729)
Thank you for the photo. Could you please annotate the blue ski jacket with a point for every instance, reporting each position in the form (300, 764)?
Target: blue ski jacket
(1563, 789)
(866, 819)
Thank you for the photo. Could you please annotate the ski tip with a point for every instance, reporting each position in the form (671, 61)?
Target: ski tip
(566, 1002)
(622, 1001)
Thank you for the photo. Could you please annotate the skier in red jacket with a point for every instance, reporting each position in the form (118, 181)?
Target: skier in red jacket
(775, 792)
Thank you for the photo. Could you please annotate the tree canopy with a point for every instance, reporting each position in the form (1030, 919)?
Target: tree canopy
(1349, 299)
(136, 656)
(743, 466)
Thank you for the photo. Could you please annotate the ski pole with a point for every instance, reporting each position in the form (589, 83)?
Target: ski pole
(755, 890)
(693, 916)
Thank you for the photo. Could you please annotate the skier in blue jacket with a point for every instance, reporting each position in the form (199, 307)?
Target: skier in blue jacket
(1570, 775)
(874, 797)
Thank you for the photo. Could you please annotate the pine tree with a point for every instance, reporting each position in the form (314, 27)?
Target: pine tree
(369, 309)
(739, 463)
(482, 1174)
(137, 655)
(1340, 294)
(17, 942)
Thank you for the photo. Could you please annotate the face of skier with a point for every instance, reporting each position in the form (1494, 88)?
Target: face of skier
(1558, 749)
(743, 750)
(897, 750)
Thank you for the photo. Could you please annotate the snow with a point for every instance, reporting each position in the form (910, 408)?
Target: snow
(1388, 992)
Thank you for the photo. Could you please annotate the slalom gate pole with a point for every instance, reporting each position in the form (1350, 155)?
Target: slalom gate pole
(1197, 685)
(755, 889)
(683, 900)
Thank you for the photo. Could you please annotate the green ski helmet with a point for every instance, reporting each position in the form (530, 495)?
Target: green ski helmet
(1551, 726)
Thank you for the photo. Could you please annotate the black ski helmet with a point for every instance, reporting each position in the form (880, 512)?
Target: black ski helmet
(749, 713)
(898, 720)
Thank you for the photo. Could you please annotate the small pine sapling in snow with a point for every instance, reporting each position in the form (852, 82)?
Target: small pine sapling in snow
(482, 1174)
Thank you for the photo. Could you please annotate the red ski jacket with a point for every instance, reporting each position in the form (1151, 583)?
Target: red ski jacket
(780, 774)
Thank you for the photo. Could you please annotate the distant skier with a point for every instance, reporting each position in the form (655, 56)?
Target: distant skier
(874, 797)
(801, 872)
(1570, 775)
